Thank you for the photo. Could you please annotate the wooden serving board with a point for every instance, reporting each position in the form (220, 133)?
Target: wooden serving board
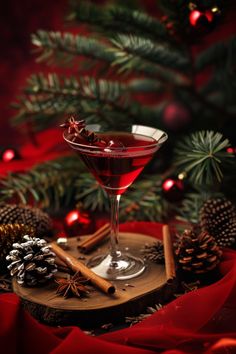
(131, 298)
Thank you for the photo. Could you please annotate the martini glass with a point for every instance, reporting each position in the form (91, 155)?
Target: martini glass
(115, 166)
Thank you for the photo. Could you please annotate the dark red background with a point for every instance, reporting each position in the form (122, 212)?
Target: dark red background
(20, 18)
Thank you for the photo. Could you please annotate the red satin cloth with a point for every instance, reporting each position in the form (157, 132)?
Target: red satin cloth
(202, 321)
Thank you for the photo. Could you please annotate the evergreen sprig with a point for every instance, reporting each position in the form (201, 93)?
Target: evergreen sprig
(49, 185)
(91, 194)
(123, 53)
(144, 201)
(203, 155)
(63, 47)
(116, 18)
(190, 206)
(49, 96)
(131, 47)
(53, 95)
(63, 183)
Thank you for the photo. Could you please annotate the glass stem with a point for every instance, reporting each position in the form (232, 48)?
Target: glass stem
(114, 200)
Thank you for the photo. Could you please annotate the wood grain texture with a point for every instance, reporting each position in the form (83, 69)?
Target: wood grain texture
(146, 290)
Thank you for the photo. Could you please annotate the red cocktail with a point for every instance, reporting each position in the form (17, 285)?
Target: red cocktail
(116, 159)
(116, 167)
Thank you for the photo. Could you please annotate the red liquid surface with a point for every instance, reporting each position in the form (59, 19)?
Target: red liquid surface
(115, 169)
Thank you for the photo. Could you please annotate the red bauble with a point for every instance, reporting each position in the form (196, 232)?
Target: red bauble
(197, 17)
(78, 222)
(176, 116)
(9, 154)
(173, 189)
(231, 150)
(203, 19)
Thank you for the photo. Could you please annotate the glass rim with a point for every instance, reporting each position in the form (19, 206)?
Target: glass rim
(160, 141)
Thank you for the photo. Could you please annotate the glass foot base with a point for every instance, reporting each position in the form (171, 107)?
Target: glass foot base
(124, 266)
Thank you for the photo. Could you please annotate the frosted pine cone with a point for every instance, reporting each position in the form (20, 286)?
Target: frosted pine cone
(9, 234)
(31, 261)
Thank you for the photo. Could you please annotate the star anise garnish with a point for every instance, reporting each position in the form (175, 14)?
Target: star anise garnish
(72, 286)
(73, 126)
(77, 128)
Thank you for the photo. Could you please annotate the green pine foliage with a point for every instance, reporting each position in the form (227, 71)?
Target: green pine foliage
(49, 185)
(203, 155)
(125, 55)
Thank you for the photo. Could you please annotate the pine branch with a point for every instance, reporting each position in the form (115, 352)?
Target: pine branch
(145, 85)
(50, 184)
(145, 57)
(144, 201)
(57, 46)
(53, 95)
(119, 19)
(138, 22)
(134, 53)
(50, 96)
(90, 193)
(203, 155)
(149, 50)
(62, 183)
(190, 206)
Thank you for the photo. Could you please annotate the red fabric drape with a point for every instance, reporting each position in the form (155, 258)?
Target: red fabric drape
(202, 321)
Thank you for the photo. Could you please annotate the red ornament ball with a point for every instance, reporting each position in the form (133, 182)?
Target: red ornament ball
(231, 150)
(203, 19)
(9, 154)
(197, 17)
(78, 222)
(173, 189)
(176, 116)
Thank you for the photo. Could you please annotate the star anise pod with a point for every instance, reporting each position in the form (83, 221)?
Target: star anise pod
(72, 286)
(77, 128)
(73, 126)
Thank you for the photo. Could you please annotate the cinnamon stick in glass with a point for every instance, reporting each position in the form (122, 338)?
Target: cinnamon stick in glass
(88, 244)
(77, 266)
(169, 254)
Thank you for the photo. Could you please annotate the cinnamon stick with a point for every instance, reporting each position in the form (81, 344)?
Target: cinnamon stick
(168, 253)
(62, 266)
(77, 266)
(88, 244)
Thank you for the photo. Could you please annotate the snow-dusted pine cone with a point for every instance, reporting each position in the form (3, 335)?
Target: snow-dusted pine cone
(218, 217)
(197, 253)
(27, 215)
(31, 261)
(9, 234)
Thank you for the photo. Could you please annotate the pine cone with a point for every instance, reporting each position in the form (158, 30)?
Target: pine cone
(197, 253)
(9, 234)
(154, 252)
(31, 261)
(218, 217)
(25, 214)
